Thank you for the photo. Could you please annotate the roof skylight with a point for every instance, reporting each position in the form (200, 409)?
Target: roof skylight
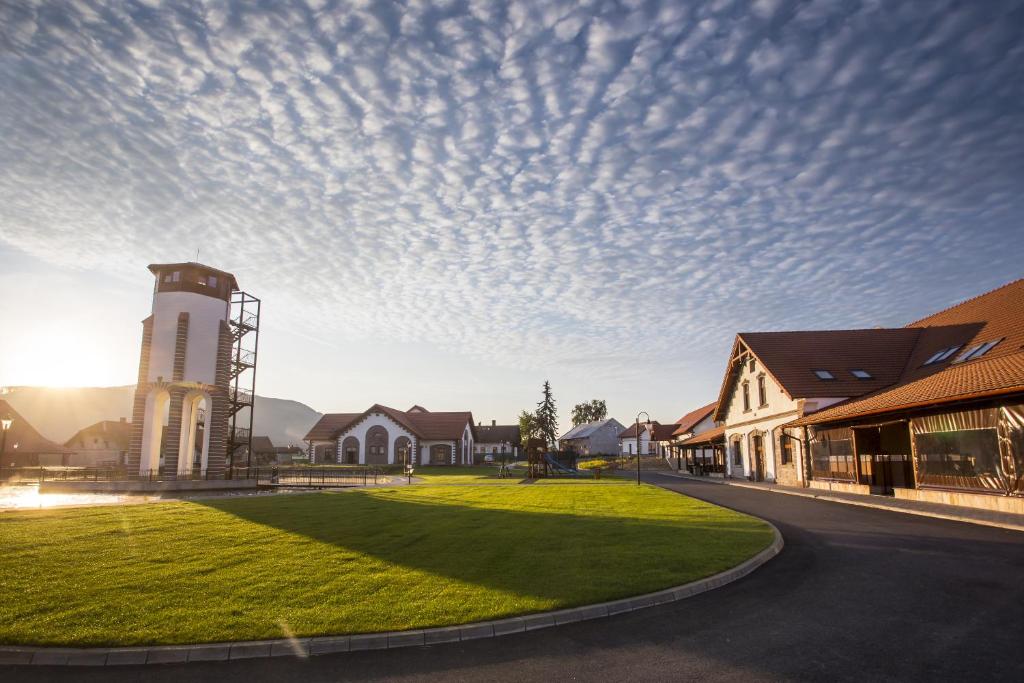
(861, 374)
(977, 351)
(943, 354)
(824, 374)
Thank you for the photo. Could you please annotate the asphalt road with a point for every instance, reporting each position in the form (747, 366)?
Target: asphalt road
(857, 594)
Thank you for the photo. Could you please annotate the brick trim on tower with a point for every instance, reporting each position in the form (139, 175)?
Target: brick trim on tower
(180, 347)
(173, 440)
(217, 417)
(141, 392)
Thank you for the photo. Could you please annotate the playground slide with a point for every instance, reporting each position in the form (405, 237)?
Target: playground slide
(559, 467)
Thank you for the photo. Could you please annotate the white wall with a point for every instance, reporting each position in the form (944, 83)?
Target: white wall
(778, 410)
(395, 431)
(205, 316)
(645, 444)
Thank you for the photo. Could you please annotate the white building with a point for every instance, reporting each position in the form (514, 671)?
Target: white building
(775, 377)
(385, 436)
(500, 442)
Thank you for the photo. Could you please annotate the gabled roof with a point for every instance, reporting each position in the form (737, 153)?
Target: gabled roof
(687, 422)
(996, 315)
(112, 431)
(587, 429)
(498, 434)
(262, 444)
(425, 425)
(630, 431)
(24, 435)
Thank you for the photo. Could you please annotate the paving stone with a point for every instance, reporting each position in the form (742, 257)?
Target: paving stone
(448, 634)
(52, 656)
(484, 630)
(567, 617)
(617, 607)
(168, 655)
(209, 653)
(506, 626)
(15, 656)
(329, 644)
(406, 638)
(368, 641)
(250, 650)
(536, 621)
(296, 647)
(127, 657)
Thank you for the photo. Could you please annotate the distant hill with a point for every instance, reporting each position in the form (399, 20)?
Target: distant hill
(58, 413)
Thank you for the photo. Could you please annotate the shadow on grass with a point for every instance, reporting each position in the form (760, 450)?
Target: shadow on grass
(569, 558)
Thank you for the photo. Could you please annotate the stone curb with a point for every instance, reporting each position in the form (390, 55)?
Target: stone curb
(305, 647)
(824, 495)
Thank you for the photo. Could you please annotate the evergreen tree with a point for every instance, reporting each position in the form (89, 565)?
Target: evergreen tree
(547, 417)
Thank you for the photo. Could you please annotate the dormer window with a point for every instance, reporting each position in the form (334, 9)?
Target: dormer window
(861, 374)
(977, 351)
(824, 374)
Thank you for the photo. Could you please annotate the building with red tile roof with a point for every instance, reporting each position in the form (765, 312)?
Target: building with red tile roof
(932, 411)
(382, 435)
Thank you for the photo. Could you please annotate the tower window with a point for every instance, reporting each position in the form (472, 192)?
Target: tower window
(176, 276)
(212, 280)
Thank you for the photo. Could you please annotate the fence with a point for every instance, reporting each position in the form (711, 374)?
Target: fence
(316, 477)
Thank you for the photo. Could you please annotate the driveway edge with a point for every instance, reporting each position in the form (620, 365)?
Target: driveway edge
(305, 647)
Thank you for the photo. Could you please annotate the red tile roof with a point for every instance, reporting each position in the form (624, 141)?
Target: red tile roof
(710, 436)
(661, 432)
(688, 421)
(425, 425)
(998, 314)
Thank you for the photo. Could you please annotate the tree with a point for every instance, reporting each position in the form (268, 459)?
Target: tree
(593, 411)
(547, 417)
(527, 429)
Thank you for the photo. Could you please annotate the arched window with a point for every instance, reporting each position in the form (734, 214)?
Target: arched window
(377, 446)
(350, 450)
(737, 452)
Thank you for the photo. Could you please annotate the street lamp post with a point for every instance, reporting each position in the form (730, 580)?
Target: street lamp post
(647, 424)
(5, 424)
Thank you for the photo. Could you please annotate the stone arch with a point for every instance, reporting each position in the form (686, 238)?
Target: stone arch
(349, 451)
(157, 405)
(194, 444)
(403, 450)
(377, 445)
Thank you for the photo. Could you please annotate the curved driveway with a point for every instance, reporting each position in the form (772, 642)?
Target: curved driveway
(857, 594)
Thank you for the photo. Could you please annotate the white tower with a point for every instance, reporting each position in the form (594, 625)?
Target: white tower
(185, 370)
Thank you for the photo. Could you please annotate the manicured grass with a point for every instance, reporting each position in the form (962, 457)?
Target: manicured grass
(348, 562)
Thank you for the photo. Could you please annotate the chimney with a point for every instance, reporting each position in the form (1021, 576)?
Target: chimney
(494, 423)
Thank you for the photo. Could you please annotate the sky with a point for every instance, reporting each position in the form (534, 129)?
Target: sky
(446, 203)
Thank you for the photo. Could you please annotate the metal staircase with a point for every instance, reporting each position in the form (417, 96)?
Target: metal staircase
(245, 337)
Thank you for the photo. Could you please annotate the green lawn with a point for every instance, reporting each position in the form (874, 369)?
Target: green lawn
(348, 562)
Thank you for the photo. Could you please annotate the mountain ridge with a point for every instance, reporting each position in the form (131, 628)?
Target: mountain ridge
(58, 413)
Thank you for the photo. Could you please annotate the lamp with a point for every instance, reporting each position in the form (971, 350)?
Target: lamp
(647, 424)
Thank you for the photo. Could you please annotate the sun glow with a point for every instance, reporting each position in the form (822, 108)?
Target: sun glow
(58, 357)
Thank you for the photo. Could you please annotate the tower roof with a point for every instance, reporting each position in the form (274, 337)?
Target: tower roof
(157, 267)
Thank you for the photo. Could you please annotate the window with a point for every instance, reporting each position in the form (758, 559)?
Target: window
(861, 374)
(976, 351)
(737, 454)
(746, 396)
(959, 459)
(942, 355)
(176, 276)
(753, 365)
(762, 391)
(832, 456)
(167, 278)
(785, 448)
(212, 280)
(824, 374)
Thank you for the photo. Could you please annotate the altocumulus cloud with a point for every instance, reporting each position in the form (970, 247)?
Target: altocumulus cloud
(605, 179)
